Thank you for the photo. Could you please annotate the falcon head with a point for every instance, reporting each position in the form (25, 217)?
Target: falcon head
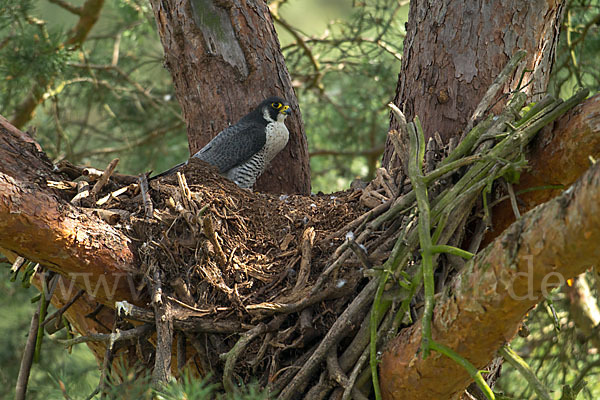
(275, 109)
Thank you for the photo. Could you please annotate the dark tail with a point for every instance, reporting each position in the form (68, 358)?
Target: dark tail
(168, 172)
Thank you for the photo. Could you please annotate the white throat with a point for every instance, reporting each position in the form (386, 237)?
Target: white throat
(267, 116)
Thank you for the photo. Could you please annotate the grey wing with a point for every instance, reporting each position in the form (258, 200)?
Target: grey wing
(233, 145)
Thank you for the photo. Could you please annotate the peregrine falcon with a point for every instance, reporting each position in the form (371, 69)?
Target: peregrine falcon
(242, 151)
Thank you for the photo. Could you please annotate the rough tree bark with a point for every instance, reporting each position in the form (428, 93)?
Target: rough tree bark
(557, 156)
(69, 240)
(225, 58)
(454, 50)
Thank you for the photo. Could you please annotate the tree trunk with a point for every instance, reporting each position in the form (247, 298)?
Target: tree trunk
(454, 49)
(225, 59)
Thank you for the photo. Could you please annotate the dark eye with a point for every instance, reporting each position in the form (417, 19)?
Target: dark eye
(276, 105)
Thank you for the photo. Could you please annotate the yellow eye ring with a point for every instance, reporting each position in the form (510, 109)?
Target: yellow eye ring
(276, 106)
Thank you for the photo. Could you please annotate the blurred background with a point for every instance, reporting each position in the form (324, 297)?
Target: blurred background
(113, 98)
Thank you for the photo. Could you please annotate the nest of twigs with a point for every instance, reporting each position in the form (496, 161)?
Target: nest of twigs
(231, 261)
(279, 288)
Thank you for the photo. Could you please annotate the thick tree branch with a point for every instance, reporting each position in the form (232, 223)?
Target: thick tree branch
(557, 157)
(483, 307)
(37, 225)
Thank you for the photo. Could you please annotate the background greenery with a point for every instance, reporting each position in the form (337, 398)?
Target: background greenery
(111, 97)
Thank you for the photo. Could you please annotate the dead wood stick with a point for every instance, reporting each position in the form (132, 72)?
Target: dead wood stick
(308, 238)
(358, 367)
(114, 195)
(62, 185)
(27, 360)
(361, 253)
(147, 201)
(513, 200)
(333, 367)
(186, 194)
(283, 376)
(104, 178)
(164, 333)
(270, 308)
(351, 316)
(33, 339)
(384, 183)
(83, 191)
(232, 355)
(108, 357)
(183, 291)
(358, 221)
(117, 336)
(110, 217)
(272, 326)
(320, 390)
(182, 321)
(91, 174)
(17, 264)
(307, 328)
(210, 233)
(57, 315)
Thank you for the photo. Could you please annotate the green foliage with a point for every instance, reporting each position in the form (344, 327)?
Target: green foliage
(11, 11)
(344, 77)
(77, 370)
(557, 357)
(578, 52)
(32, 55)
(110, 97)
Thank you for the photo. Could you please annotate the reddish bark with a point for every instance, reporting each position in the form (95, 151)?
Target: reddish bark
(37, 225)
(557, 156)
(454, 49)
(225, 59)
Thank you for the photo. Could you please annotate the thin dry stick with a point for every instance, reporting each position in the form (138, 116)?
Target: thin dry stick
(308, 237)
(186, 195)
(108, 356)
(334, 369)
(232, 355)
(27, 360)
(114, 195)
(210, 233)
(56, 315)
(164, 333)
(375, 212)
(83, 191)
(115, 337)
(353, 314)
(147, 201)
(513, 200)
(104, 178)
